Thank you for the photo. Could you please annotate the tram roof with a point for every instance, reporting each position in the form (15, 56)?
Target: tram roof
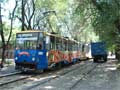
(27, 31)
(49, 34)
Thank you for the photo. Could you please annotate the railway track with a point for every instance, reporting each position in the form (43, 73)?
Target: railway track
(54, 75)
(83, 76)
(57, 76)
(10, 78)
(10, 74)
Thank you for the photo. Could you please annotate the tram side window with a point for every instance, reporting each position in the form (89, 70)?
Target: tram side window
(47, 42)
(73, 46)
(70, 46)
(40, 41)
(80, 47)
(52, 42)
(59, 43)
(63, 45)
(83, 48)
(86, 48)
(66, 45)
(76, 46)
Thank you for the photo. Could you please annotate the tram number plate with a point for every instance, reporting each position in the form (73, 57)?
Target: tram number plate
(40, 53)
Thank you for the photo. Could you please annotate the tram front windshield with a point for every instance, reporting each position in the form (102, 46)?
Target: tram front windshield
(26, 41)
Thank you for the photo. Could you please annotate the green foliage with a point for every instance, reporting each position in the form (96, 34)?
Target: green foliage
(51, 4)
(81, 21)
(7, 31)
(104, 20)
(59, 6)
(95, 20)
(84, 20)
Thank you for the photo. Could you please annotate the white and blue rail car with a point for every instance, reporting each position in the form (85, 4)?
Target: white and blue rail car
(28, 55)
(38, 50)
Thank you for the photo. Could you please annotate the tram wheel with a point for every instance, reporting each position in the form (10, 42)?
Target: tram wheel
(39, 71)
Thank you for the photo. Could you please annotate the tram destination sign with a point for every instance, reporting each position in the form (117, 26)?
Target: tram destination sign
(27, 36)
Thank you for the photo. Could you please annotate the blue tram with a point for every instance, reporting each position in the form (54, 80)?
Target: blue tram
(38, 50)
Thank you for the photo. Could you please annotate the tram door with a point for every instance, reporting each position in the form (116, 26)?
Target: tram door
(41, 50)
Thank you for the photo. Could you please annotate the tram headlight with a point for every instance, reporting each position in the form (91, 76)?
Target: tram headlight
(33, 59)
(16, 58)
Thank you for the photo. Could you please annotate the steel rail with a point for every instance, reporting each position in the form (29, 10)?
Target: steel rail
(83, 76)
(57, 76)
(10, 74)
(15, 80)
(19, 79)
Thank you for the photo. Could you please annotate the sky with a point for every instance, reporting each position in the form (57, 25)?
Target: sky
(8, 7)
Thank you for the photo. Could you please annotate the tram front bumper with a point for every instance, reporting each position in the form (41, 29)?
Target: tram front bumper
(22, 65)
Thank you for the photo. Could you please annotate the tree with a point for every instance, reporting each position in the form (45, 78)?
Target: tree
(107, 23)
(2, 37)
(4, 43)
(32, 15)
(79, 20)
(25, 13)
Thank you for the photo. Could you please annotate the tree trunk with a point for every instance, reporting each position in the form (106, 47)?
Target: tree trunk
(2, 37)
(117, 51)
(3, 55)
(23, 13)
